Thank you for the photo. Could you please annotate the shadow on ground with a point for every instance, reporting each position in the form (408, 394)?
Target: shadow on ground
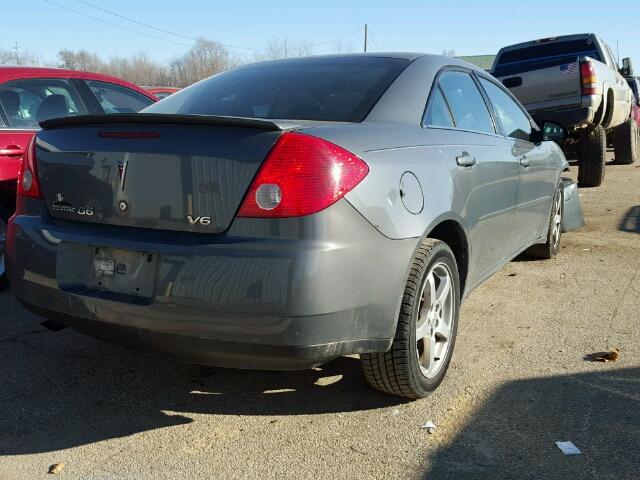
(61, 390)
(513, 435)
(631, 220)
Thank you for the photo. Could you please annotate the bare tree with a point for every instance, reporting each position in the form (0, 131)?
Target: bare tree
(80, 60)
(278, 48)
(204, 59)
(342, 46)
(25, 57)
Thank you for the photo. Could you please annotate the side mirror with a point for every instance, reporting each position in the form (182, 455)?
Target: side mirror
(554, 132)
(627, 67)
(550, 131)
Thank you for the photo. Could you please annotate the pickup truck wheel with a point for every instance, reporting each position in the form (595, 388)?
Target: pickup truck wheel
(626, 142)
(427, 327)
(551, 247)
(593, 152)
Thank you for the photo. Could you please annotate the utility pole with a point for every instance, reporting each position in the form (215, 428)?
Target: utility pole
(365, 37)
(285, 47)
(16, 48)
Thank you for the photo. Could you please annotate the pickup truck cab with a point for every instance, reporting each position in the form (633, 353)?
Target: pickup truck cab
(575, 81)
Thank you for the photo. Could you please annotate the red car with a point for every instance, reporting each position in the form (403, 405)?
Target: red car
(29, 95)
(161, 92)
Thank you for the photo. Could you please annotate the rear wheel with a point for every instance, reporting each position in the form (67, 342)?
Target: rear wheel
(626, 142)
(427, 327)
(593, 152)
(551, 247)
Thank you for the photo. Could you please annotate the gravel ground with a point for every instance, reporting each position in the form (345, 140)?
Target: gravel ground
(517, 384)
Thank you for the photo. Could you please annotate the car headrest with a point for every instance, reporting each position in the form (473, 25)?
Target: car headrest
(53, 106)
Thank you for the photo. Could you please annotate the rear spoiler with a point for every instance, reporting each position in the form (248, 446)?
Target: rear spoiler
(161, 118)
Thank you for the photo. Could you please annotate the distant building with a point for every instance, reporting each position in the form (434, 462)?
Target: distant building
(483, 61)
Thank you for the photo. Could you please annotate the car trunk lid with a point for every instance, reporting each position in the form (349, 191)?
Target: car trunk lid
(167, 172)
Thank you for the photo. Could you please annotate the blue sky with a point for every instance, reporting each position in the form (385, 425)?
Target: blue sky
(468, 27)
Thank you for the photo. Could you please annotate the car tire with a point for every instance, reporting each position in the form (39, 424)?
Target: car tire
(551, 247)
(428, 322)
(626, 142)
(593, 152)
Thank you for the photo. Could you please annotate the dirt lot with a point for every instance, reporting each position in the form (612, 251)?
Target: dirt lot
(518, 383)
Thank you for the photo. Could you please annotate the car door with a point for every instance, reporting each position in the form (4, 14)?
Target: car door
(484, 171)
(23, 104)
(537, 171)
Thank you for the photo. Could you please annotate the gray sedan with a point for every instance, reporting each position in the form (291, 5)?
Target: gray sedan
(285, 213)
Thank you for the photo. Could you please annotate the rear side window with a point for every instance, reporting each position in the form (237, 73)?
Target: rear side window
(466, 103)
(438, 114)
(543, 55)
(514, 122)
(118, 99)
(25, 103)
(342, 89)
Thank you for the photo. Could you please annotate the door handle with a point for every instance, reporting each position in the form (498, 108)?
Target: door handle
(465, 160)
(524, 161)
(12, 151)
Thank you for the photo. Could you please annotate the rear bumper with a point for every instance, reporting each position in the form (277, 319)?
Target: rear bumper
(190, 346)
(268, 294)
(572, 217)
(569, 118)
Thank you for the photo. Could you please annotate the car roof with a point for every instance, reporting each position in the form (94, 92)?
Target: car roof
(160, 89)
(400, 55)
(16, 72)
(430, 58)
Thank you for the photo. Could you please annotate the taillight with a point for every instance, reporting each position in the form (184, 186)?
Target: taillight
(588, 78)
(28, 185)
(300, 176)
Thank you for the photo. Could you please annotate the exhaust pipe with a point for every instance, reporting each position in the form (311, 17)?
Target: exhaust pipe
(53, 326)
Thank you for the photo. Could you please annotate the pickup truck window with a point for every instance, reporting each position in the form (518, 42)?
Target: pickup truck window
(467, 105)
(438, 114)
(514, 122)
(543, 55)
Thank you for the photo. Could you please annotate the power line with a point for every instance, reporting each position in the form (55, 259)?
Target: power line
(135, 21)
(168, 32)
(115, 14)
(359, 29)
(114, 24)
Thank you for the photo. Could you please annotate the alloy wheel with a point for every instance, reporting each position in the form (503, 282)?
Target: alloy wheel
(434, 320)
(557, 221)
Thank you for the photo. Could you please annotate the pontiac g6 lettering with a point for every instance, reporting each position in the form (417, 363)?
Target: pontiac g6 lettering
(199, 220)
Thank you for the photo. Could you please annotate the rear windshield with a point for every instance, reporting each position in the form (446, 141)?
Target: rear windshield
(335, 89)
(544, 55)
